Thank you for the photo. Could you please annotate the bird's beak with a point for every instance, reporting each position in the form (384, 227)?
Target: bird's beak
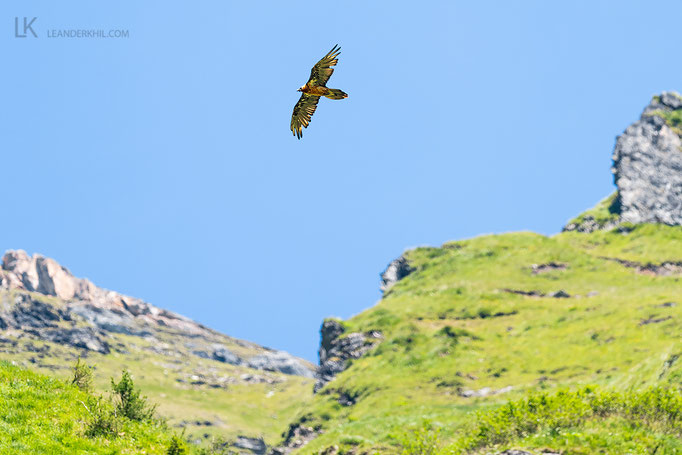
(298, 90)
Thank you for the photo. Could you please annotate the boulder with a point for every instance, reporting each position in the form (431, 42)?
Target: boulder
(254, 445)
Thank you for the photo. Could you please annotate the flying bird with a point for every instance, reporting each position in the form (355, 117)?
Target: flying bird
(313, 90)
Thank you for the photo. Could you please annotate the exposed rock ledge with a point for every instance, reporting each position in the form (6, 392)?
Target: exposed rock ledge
(336, 350)
(395, 271)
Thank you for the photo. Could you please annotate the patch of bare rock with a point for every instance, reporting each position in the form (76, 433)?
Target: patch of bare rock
(538, 269)
(560, 294)
(667, 268)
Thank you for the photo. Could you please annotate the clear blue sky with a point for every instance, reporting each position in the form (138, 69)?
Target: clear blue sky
(162, 166)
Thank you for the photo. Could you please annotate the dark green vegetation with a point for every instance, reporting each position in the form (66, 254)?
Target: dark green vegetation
(507, 331)
(129, 401)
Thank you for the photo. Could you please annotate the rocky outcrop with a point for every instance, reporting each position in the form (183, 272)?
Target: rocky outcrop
(538, 269)
(223, 354)
(647, 170)
(647, 165)
(45, 276)
(560, 294)
(336, 349)
(49, 322)
(296, 437)
(78, 337)
(667, 268)
(395, 271)
(77, 313)
(280, 361)
(253, 445)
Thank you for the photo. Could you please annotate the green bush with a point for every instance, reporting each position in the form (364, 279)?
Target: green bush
(177, 446)
(129, 402)
(82, 376)
(103, 419)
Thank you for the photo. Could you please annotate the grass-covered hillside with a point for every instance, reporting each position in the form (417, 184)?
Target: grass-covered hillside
(43, 415)
(205, 397)
(519, 340)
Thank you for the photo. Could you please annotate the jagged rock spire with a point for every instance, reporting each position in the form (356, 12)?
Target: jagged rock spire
(647, 164)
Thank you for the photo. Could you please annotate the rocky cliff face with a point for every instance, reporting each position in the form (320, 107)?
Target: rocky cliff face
(647, 164)
(337, 348)
(48, 303)
(647, 169)
(109, 310)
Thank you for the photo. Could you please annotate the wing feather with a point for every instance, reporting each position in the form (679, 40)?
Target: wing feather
(323, 70)
(303, 111)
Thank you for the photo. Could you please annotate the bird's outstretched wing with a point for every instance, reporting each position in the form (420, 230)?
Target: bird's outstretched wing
(303, 111)
(323, 70)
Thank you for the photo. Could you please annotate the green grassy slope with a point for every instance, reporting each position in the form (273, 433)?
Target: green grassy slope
(43, 415)
(454, 328)
(188, 389)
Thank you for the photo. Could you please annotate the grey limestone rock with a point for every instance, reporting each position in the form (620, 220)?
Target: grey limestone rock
(280, 361)
(395, 271)
(222, 354)
(647, 170)
(336, 350)
(254, 445)
(647, 166)
(81, 337)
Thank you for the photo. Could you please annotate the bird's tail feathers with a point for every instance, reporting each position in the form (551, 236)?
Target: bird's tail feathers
(336, 94)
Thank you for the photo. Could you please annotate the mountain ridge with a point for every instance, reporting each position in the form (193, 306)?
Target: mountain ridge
(111, 311)
(208, 383)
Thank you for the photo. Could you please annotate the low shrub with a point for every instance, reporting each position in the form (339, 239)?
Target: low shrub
(82, 376)
(128, 400)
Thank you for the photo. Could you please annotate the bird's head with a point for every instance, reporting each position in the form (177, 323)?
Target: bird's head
(300, 89)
